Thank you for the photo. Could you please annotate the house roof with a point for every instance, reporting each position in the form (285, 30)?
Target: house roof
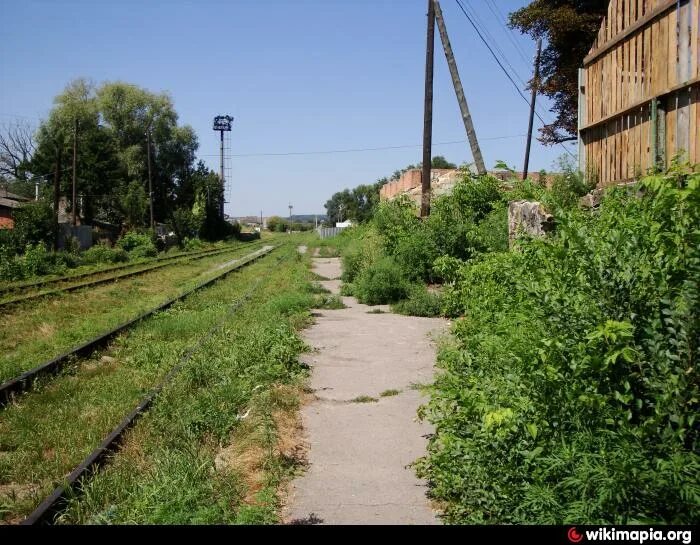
(4, 193)
(9, 203)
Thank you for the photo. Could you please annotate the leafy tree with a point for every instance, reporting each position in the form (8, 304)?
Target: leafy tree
(569, 27)
(113, 120)
(276, 224)
(134, 204)
(33, 225)
(440, 162)
(184, 224)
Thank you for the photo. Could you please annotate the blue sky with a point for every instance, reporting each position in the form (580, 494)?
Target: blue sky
(297, 75)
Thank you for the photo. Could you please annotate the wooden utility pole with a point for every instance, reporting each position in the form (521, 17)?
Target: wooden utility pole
(428, 113)
(150, 181)
(57, 191)
(535, 85)
(74, 202)
(459, 91)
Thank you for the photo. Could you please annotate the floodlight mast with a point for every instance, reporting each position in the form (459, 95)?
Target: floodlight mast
(222, 123)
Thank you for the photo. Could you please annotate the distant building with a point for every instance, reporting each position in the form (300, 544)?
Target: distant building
(9, 202)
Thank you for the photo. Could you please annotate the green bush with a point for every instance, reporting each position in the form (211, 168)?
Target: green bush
(192, 244)
(35, 261)
(420, 302)
(34, 224)
(143, 252)
(360, 251)
(101, 253)
(380, 283)
(571, 392)
(137, 245)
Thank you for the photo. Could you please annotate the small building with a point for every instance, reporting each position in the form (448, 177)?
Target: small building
(9, 202)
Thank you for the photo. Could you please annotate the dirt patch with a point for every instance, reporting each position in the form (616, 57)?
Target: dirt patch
(249, 452)
(46, 330)
(17, 492)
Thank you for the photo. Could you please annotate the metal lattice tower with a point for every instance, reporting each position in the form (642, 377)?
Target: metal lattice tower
(222, 124)
(228, 170)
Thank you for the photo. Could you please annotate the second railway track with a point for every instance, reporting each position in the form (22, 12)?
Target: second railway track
(54, 286)
(56, 502)
(24, 381)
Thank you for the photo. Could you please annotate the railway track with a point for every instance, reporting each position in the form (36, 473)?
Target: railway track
(19, 286)
(56, 502)
(163, 262)
(25, 381)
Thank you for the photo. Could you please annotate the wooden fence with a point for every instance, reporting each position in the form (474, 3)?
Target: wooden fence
(639, 90)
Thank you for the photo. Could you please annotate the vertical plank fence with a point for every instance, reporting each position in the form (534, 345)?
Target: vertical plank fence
(639, 90)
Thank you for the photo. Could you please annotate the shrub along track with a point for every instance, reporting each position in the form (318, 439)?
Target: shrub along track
(39, 330)
(57, 286)
(90, 401)
(24, 381)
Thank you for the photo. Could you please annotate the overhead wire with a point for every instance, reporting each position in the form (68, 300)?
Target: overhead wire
(500, 17)
(500, 64)
(353, 150)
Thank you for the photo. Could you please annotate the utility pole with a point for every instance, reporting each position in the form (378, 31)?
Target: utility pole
(74, 201)
(290, 218)
(150, 181)
(36, 190)
(261, 221)
(57, 191)
(535, 85)
(459, 91)
(428, 113)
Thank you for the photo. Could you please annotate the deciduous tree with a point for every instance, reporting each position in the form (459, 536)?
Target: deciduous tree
(569, 28)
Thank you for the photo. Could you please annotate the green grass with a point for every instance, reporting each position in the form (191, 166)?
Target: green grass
(390, 393)
(330, 302)
(167, 472)
(364, 399)
(107, 267)
(34, 331)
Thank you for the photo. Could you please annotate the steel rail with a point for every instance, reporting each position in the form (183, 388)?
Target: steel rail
(68, 278)
(57, 501)
(24, 381)
(107, 279)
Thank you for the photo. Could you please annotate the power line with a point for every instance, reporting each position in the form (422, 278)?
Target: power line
(489, 40)
(476, 21)
(494, 42)
(498, 14)
(506, 71)
(352, 150)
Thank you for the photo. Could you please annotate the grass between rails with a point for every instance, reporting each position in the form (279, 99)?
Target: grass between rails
(107, 267)
(191, 459)
(35, 331)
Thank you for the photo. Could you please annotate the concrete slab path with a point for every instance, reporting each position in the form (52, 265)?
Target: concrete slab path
(360, 452)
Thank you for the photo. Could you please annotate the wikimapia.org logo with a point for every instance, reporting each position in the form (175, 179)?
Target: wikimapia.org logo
(637, 536)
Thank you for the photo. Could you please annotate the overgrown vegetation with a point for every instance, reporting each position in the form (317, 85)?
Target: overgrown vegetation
(574, 370)
(569, 391)
(218, 441)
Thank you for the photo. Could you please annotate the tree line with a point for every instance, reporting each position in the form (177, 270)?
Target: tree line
(109, 128)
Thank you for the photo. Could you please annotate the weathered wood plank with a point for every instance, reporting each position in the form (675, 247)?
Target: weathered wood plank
(613, 41)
